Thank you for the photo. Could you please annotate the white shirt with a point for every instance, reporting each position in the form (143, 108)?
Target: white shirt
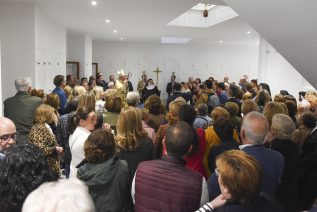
(76, 145)
(48, 127)
(245, 145)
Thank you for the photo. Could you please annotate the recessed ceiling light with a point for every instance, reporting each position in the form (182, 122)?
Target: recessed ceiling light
(121, 38)
(220, 41)
(248, 32)
(94, 3)
(107, 21)
(115, 31)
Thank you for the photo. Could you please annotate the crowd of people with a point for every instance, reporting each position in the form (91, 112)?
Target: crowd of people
(213, 146)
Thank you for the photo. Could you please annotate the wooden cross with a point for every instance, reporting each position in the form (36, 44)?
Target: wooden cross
(157, 71)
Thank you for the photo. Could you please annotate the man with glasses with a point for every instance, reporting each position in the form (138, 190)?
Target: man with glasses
(7, 136)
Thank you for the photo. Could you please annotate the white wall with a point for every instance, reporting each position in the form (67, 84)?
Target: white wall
(75, 51)
(278, 73)
(184, 60)
(290, 28)
(79, 49)
(50, 51)
(17, 38)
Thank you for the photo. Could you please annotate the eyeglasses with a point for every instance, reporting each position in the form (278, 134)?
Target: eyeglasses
(217, 172)
(6, 138)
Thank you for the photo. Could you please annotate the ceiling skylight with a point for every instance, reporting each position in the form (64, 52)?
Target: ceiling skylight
(194, 17)
(202, 6)
(175, 40)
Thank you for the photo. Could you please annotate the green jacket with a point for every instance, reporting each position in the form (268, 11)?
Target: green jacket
(21, 109)
(108, 185)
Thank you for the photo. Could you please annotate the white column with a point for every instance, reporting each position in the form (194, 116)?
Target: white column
(88, 56)
(264, 51)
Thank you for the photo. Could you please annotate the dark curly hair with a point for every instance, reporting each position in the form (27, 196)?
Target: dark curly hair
(22, 170)
(99, 146)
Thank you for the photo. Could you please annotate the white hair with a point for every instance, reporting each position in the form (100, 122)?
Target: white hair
(255, 127)
(282, 126)
(64, 195)
(305, 105)
(110, 84)
(79, 90)
(133, 98)
(23, 83)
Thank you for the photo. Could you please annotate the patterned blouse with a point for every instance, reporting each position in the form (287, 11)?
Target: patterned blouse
(41, 136)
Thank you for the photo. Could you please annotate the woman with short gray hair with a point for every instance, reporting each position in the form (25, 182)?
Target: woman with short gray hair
(282, 128)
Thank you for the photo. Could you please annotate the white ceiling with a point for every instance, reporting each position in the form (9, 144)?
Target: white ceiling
(290, 26)
(140, 21)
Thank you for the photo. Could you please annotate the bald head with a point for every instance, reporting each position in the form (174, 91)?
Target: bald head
(7, 128)
(254, 128)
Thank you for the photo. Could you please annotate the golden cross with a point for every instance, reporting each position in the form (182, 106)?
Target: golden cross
(157, 71)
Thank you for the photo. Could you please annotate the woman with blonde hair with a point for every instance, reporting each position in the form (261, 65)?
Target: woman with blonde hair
(42, 135)
(99, 94)
(239, 177)
(172, 118)
(52, 99)
(270, 109)
(249, 106)
(282, 128)
(212, 137)
(113, 107)
(87, 100)
(132, 141)
(68, 91)
(78, 90)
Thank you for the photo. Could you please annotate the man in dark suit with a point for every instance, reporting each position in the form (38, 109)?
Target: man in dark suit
(170, 86)
(253, 131)
(177, 93)
(21, 108)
